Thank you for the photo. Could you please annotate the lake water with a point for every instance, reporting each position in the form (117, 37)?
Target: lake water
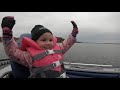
(88, 53)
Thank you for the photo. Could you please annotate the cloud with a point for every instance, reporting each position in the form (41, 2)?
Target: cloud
(91, 24)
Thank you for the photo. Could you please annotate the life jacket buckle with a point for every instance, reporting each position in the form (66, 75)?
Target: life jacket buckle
(49, 52)
(56, 64)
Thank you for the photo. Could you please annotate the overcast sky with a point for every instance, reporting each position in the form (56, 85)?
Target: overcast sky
(93, 26)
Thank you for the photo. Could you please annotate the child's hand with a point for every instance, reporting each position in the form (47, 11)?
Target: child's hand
(8, 22)
(75, 29)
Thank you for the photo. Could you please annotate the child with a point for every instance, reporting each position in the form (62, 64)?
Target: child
(41, 54)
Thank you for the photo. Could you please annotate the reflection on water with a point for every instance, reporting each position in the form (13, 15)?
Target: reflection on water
(89, 53)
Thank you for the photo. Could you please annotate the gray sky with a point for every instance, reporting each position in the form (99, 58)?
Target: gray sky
(93, 26)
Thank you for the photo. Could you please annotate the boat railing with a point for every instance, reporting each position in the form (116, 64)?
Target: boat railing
(74, 69)
(83, 64)
(7, 61)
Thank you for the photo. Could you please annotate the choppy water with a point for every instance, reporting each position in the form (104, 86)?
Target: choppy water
(89, 53)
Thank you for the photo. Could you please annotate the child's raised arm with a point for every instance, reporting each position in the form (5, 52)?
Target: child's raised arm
(10, 46)
(68, 42)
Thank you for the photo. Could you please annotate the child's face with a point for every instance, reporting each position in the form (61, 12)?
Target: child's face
(45, 41)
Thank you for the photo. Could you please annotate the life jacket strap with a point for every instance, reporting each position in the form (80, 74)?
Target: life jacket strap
(43, 54)
(48, 67)
(43, 74)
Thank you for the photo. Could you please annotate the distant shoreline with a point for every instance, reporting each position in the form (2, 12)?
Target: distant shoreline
(92, 43)
(62, 39)
(59, 39)
(99, 43)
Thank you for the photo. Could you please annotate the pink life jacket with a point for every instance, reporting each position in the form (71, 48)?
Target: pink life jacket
(44, 60)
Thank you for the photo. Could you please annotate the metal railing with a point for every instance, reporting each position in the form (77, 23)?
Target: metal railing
(83, 64)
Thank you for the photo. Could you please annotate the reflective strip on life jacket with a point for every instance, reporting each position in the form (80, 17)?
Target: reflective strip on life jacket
(43, 54)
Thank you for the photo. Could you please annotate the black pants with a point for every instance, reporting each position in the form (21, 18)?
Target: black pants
(19, 71)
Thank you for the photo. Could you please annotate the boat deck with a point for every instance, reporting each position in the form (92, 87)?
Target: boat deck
(77, 70)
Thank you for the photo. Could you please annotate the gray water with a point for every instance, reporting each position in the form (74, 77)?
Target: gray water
(89, 53)
(2, 52)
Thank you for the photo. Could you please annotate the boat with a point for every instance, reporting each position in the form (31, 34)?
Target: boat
(73, 70)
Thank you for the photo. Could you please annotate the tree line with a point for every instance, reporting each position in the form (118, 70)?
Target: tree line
(59, 39)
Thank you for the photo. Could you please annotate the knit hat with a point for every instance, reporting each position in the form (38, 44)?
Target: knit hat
(37, 31)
